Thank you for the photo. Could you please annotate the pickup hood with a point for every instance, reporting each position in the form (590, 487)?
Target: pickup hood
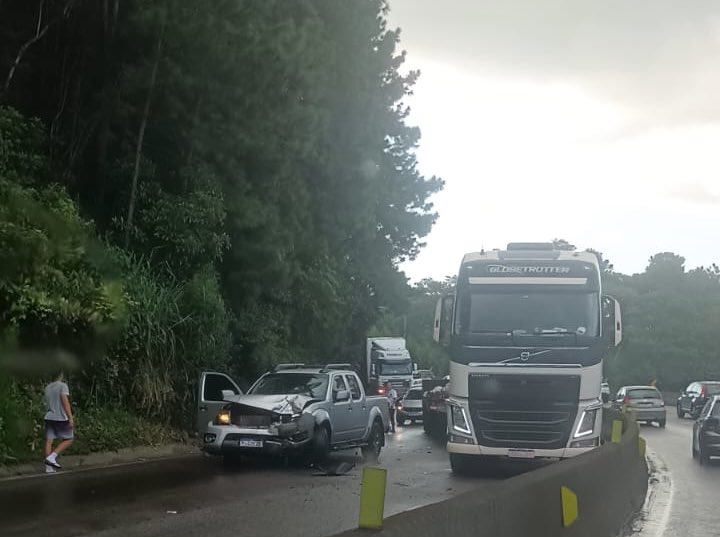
(280, 404)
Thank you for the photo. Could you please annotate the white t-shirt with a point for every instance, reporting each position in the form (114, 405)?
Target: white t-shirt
(53, 401)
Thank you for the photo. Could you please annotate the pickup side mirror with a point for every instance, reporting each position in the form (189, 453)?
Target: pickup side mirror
(611, 321)
(443, 319)
(341, 395)
(227, 394)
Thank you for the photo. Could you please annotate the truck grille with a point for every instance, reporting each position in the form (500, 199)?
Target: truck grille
(251, 422)
(527, 411)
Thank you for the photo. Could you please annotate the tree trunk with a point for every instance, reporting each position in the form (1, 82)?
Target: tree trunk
(141, 135)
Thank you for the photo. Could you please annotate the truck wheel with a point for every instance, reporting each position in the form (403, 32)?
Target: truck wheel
(320, 444)
(680, 412)
(662, 423)
(371, 451)
(460, 464)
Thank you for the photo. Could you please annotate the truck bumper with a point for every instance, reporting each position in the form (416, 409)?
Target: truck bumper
(481, 451)
(232, 440)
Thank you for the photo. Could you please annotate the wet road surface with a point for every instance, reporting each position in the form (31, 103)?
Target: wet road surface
(199, 496)
(689, 492)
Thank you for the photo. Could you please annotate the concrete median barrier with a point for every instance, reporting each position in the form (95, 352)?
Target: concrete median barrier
(593, 495)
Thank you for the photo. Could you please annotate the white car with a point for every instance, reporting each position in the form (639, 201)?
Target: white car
(410, 406)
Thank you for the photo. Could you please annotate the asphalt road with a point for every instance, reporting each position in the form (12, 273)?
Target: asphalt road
(196, 496)
(687, 493)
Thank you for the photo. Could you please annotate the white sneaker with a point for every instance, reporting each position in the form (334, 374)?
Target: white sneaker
(49, 469)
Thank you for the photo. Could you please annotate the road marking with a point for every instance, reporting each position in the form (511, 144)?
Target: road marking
(655, 513)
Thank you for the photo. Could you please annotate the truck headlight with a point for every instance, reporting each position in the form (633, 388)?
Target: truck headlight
(459, 419)
(587, 423)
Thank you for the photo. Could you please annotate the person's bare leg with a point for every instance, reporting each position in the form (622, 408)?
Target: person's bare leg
(48, 447)
(62, 446)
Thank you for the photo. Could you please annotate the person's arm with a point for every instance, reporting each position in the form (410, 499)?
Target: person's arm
(65, 399)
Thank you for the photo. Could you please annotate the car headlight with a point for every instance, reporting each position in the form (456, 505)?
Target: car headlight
(459, 419)
(587, 423)
(223, 418)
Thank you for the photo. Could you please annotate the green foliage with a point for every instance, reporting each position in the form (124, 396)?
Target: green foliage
(22, 146)
(670, 318)
(278, 190)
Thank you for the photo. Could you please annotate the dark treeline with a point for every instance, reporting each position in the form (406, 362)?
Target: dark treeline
(196, 184)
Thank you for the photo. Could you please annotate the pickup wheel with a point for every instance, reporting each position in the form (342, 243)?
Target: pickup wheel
(320, 444)
(680, 412)
(371, 451)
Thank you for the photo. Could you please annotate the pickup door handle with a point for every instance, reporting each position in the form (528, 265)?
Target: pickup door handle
(202, 407)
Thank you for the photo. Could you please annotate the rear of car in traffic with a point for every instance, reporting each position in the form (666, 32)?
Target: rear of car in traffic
(706, 432)
(645, 401)
(410, 407)
(693, 399)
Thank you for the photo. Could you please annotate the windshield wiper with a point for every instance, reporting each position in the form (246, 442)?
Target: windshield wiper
(555, 331)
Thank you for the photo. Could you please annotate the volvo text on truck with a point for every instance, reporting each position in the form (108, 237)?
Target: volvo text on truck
(526, 330)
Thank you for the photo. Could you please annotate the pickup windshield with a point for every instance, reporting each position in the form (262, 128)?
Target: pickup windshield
(532, 313)
(310, 384)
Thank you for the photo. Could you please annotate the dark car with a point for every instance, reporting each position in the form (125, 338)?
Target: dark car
(706, 432)
(693, 399)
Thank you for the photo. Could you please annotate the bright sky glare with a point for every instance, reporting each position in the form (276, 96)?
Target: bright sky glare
(546, 124)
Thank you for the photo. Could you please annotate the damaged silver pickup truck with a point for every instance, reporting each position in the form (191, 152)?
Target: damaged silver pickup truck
(296, 410)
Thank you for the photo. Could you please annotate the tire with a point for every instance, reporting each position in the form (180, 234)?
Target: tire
(371, 451)
(703, 457)
(680, 413)
(662, 423)
(460, 464)
(320, 444)
(694, 453)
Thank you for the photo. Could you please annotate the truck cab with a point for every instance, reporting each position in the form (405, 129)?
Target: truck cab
(526, 331)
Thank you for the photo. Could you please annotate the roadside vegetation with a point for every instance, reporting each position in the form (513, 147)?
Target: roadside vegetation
(193, 185)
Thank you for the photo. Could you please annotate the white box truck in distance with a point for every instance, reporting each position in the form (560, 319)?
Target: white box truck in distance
(526, 330)
(387, 359)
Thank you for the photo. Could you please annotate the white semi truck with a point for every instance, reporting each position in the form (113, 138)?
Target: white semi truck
(388, 360)
(526, 330)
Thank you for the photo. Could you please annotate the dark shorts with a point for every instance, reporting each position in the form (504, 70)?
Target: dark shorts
(59, 430)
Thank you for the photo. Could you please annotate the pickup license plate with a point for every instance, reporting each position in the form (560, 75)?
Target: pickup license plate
(247, 442)
(521, 453)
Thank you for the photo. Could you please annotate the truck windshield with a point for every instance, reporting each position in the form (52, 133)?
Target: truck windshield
(529, 313)
(395, 368)
(312, 385)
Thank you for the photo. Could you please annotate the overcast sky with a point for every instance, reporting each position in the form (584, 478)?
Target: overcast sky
(597, 122)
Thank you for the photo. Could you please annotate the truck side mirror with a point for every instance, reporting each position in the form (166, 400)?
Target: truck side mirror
(443, 319)
(611, 321)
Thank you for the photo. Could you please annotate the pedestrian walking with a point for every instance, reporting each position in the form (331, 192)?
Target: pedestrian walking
(392, 397)
(59, 422)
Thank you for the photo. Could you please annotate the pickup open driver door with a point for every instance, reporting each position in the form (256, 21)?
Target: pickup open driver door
(213, 389)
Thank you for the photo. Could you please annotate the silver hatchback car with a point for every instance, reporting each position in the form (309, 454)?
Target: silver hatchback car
(645, 401)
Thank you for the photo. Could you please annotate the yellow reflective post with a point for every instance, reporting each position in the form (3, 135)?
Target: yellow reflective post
(641, 446)
(372, 498)
(616, 431)
(569, 506)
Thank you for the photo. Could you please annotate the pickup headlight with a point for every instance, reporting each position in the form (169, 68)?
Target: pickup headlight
(587, 423)
(459, 419)
(223, 418)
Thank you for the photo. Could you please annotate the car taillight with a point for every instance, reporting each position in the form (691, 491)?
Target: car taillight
(703, 392)
(381, 391)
